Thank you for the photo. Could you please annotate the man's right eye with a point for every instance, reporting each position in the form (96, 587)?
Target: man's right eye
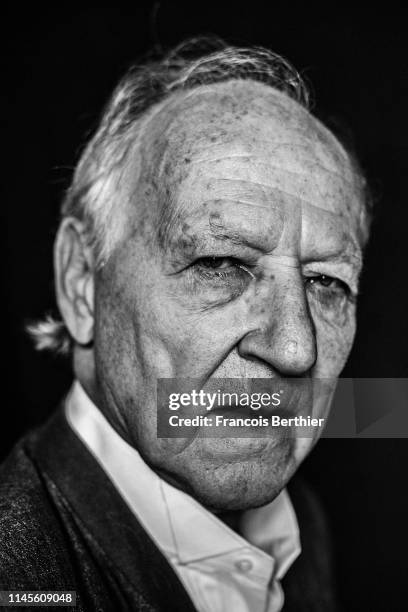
(217, 263)
(221, 272)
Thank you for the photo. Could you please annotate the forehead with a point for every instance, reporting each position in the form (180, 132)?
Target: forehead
(239, 145)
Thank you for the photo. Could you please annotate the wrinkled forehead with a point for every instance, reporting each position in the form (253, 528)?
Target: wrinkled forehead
(245, 142)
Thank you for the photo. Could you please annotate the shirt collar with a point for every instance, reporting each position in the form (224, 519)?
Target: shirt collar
(181, 527)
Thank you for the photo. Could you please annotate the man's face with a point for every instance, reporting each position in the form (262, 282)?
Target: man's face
(241, 204)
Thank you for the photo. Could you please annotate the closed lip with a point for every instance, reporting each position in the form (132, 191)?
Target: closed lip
(239, 411)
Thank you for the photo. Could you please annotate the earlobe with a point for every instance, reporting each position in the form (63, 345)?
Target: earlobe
(74, 280)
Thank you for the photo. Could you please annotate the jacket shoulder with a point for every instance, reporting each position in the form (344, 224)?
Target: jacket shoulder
(31, 540)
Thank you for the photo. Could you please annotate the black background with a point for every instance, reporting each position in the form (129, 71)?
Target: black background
(58, 67)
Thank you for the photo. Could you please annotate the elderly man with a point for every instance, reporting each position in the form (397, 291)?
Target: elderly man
(213, 229)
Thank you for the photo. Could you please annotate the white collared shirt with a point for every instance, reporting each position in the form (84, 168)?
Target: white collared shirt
(220, 570)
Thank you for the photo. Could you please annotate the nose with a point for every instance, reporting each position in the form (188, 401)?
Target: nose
(285, 338)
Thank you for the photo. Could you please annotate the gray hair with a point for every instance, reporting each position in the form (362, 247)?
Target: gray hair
(91, 195)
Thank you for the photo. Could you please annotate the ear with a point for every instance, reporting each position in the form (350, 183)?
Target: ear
(74, 279)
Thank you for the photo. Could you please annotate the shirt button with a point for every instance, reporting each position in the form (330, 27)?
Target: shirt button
(244, 565)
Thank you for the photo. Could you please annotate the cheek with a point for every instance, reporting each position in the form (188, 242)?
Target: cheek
(114, 337)
(195, 342)
(334, 337)
(145, 328)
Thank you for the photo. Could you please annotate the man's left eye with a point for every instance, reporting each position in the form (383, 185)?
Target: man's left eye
(329, 282)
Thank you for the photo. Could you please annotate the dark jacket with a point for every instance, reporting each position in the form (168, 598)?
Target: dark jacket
(63, 526)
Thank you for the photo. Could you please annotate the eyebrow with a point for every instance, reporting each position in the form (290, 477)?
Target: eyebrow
(172, 220)
(221, 232)
(218, 232)
(208, 224)
(191, 244)
(337, 257)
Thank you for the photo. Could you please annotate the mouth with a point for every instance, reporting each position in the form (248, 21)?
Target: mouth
(239, 411)
(243, 422)
(228, 410)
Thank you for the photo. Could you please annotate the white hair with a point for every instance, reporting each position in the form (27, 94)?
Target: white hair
(92, 195)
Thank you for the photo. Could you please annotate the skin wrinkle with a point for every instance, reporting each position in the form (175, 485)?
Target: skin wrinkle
(153, 321)
(245, 157)
(176, 216)
(305, 176)
(157, 145)
(215, 228)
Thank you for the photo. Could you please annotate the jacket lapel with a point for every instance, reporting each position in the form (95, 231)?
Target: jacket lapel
(105, 520)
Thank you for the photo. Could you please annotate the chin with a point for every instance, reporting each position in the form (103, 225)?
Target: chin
(250, 474)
